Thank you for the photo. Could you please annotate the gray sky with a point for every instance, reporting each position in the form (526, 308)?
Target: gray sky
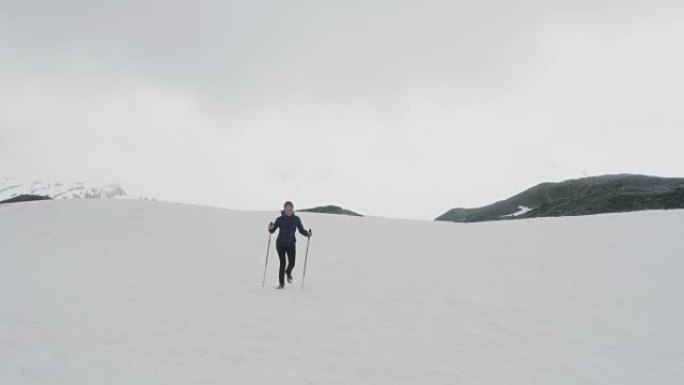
(392, 108)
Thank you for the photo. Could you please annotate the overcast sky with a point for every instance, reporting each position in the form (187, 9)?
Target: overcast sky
(390, 108)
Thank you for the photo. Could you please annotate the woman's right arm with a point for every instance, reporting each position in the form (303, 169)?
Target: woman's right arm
(274, 226)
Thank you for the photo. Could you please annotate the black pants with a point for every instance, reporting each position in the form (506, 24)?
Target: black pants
(291, 253)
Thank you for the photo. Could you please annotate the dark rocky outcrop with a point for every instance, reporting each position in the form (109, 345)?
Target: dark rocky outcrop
(25, 198)
(584, 196)
(330, 209)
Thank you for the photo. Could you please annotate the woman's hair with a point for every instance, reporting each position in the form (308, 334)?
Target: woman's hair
(288, 203)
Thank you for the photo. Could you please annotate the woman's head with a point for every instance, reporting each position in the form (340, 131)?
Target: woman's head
(288, 207)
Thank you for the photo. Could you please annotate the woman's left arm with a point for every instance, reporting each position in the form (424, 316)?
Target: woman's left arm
(303, 231)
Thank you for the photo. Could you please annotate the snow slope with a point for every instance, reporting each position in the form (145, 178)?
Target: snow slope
(139, 292)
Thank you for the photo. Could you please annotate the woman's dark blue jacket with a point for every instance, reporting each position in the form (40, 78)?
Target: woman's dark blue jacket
(288, 224)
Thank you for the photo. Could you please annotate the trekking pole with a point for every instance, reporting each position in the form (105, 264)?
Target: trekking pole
(268, 249)
(306, 257)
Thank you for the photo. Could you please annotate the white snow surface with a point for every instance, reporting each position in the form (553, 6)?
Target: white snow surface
(521, 210)
(141, 292)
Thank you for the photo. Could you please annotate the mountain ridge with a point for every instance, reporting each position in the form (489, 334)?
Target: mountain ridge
(581, 196)
(11, 188)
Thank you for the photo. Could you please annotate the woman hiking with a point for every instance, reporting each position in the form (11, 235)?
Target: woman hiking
(288, 223)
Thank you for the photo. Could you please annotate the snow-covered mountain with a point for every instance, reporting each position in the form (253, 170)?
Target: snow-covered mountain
(138, 292)
(10, 188)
